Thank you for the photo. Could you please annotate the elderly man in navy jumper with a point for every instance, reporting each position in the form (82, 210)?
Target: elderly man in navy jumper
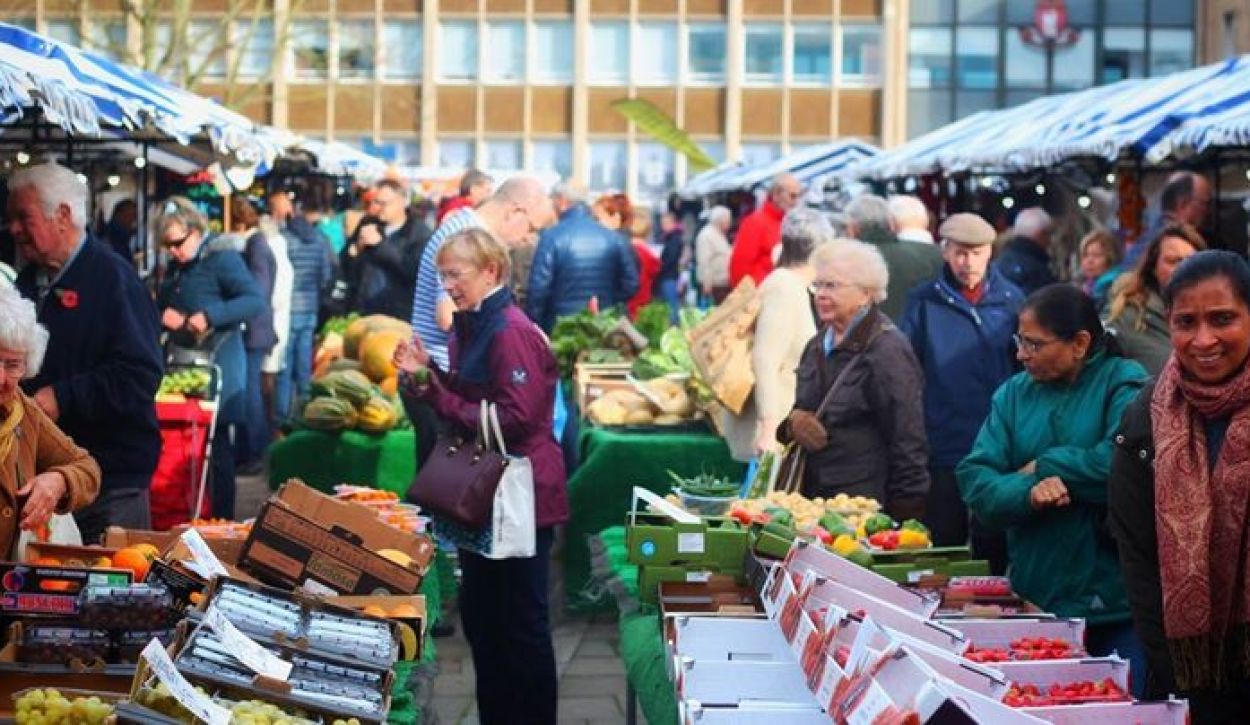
(103, 364)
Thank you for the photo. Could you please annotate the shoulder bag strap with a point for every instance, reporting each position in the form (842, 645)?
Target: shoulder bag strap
(837, 381)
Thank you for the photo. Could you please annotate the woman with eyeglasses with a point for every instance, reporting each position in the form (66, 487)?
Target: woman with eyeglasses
(858, 410)
(206, 296)
(1039, 466)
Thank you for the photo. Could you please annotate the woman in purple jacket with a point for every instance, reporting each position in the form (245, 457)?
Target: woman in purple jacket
(498, 354)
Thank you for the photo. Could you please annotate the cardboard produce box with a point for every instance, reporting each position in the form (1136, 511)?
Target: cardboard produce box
(407, 610)
(305, 538)
(805, 556)
(27, 589)
(115, 537)
(651, 577)
(1000, 633)
(1166, 712)
(669, 536)
(692, 712)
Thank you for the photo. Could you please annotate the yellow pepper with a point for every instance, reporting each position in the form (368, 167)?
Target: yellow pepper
(845, 545)
(909, 539)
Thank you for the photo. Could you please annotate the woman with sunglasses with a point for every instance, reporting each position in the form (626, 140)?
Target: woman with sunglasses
(206, 296)
(1039, 466)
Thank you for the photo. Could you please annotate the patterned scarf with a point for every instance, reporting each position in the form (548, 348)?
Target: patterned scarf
(1201, 520)
(8, 426)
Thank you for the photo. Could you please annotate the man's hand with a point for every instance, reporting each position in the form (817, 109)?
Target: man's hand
(197, 323)
(808, 431)
(1049, 493)
(173, 319)
(1030, 467)
(43, 492)
(45, 398)
(369, 236)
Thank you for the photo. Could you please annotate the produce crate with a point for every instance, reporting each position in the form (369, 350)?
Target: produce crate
(671, 536)
(914, 572)
(592, 380)
(651, 577)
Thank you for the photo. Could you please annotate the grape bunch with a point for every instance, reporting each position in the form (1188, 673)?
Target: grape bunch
(185, 382)
(50, 707)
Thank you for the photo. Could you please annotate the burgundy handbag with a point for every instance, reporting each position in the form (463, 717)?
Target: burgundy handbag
(459, 479)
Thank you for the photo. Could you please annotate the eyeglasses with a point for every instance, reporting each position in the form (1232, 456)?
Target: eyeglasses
(825, 287)
(454, 275)
(1032, 347)
(13, 368)
(175, 243)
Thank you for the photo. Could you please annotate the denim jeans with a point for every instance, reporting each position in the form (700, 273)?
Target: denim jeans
(667, 290)
(253, 432)
(292, 383)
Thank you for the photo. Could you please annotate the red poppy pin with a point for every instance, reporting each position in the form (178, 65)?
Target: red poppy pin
(68, 298)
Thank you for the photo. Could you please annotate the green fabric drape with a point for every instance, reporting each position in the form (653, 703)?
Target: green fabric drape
(323, 460)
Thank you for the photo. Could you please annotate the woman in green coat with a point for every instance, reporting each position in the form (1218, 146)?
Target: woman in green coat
(1040, 465)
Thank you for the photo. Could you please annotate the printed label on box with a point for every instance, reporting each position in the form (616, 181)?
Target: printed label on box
(256, 658)
(204, 561)
(698, 577)
(914, 577)
(690, 543)
(199, 704)
(874, 702)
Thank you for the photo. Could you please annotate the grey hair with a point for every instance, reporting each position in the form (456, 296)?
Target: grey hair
(1032, 221)
(858, 261)
(802, 230)
(571, 190)
(908, 211)
(20, 329)
(519, 189)
(869, 210)
(55, 185)
(179, 210)
(719, 214)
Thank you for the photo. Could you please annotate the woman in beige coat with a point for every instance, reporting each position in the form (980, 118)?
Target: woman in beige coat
(783, 328)
(42, 472)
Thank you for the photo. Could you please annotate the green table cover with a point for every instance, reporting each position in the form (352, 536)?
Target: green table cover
(600, 490)
(642, 649)
(323, 460)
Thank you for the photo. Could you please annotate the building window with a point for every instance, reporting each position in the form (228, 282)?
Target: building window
(1074, 65)
(505, 51)
(656, 164)
(609, 53)
(206, 43)
(310, 43)
(108, 38)
(256, 47)
(706, 42)
(553, 156)
(607, 165)
(1172, 12)
(1171, 50)
(1124, 54)
(1125, 12)
(64, 31)
(1026, 64)
(553, 52)
(813, 54)
(929, 51)
(356, 48)
(457, 54)
(763, 53)
(976, 57)
(978, 12)
(760, 153)
(455, 153)
(402, 47)
(714, 148)
(504, 155)
(27, 23)
(861, 54)
(656, 64)
(928, 109)
(933, 11)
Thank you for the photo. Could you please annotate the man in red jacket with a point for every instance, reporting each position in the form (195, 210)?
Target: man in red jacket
(761, 231)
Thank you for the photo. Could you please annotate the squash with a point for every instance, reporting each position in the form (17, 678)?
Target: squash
(390, 386)
(377, 415)
(358, 331)
(329, 414)
(348, 385)
(376, 353)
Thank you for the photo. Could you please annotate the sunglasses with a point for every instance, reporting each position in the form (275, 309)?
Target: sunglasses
(176, 243)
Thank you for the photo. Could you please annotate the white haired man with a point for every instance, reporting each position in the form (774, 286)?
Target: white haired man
(1025, 259)
(103, 364)
(868, 220)
(910, 219)
(712, 252)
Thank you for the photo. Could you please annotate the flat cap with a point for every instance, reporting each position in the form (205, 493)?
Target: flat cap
(967, 229)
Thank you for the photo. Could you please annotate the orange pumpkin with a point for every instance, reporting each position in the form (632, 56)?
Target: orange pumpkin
(390, 386)
(376, 353)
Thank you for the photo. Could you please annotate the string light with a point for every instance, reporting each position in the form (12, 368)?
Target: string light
(114, 180)
(1083, 201)
(23, 158)
(1008, 202)
(1040, 189)
(140, 162)
(1111, 178)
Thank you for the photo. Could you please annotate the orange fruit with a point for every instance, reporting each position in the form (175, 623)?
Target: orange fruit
(46, 561)
(374, 610)
(134, 560)
(404, 611)
(148, 550)
(103, 562)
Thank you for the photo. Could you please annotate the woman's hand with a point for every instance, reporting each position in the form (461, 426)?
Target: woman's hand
(197, 323)
(766, 437)
(1030, 467)
(1049, 493)
(43, 492)
(411, 355)
(173, 319)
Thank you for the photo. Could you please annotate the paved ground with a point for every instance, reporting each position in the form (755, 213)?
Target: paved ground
(592, 677)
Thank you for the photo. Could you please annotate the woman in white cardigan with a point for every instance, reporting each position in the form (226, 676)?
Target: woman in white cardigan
(784, 327)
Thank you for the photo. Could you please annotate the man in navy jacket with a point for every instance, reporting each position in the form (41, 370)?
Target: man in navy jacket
(103, 365)
(960, 325)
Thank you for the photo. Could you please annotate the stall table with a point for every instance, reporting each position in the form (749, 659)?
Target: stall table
(323, 460)
(612, 462)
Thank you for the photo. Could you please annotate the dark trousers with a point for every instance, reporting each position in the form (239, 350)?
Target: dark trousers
(503, 605)
(125, 507)
(945, 513)
(424, 425)
(1103, 640)
(253, 433)
(221, 474)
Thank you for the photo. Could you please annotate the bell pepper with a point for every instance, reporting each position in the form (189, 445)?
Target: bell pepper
(821, 534)
(914, 525)
(878, 522)
(912, 539)
(741, 515)
(845, 545)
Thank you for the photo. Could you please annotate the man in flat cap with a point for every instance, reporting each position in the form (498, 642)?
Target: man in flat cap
(960, 325)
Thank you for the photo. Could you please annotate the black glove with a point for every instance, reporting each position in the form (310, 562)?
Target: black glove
(807, 431)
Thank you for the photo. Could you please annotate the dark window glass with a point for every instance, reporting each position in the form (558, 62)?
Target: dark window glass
(1172, 12)
(976, 11)
(932, 11)
(927, 110)
(1125, 12)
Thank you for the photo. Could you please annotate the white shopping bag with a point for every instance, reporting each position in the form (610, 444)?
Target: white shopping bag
(62, 529)
(512, 533)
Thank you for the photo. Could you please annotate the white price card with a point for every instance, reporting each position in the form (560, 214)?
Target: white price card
(197, 702)
(256, 658)
(204, 561)
(690, 543)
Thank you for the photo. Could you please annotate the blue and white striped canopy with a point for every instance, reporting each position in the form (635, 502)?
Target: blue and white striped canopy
(339, 159)
(83, 92)
(811, 165)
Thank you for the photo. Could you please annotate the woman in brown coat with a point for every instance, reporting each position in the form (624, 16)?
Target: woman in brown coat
(42, 472)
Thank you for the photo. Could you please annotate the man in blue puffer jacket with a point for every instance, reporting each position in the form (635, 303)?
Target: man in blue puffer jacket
(960, 325)
(576, 260)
